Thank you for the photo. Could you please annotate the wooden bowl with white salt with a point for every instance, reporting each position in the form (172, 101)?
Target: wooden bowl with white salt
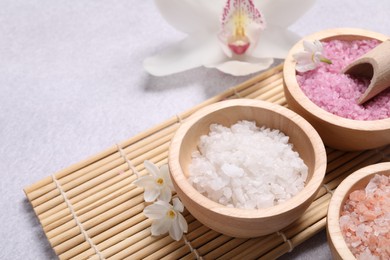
(244, 221)
(367, 212)
(337, 131)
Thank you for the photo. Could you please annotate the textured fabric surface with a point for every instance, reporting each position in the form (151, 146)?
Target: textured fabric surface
(72, 84)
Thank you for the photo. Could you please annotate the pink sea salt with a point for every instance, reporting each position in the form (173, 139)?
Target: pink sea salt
(336, 92)
(365, 220)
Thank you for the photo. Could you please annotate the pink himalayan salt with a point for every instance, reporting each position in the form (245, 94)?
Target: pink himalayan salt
(337, 93)
(365, 220)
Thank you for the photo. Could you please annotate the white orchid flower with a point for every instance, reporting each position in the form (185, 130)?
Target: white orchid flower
(238, 37)
(167, 218)
(157, 185)
(310, 57)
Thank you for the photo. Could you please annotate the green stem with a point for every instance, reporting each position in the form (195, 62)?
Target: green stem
(325, 60)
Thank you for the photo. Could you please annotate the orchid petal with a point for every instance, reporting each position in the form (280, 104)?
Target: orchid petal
(164, 171)
(318, 45)
(175, 230)
(191, 16)
(283, 13)
(156, 210)
(303, 57)
(161, 226)
(190, 53)
(183, 223)
(177, 205)
(144, 181)
(152, 168)
(305, 67)
(165, 194)
(253, 32)
(242, 68)
(310, 47)
(151, 194)
(275, 42)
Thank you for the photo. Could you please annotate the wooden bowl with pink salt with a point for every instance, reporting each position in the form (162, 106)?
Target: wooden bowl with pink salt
(246, 168)
(327, 97)
(358, 220)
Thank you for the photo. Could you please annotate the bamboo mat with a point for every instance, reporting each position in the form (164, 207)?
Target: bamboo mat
(92, 210)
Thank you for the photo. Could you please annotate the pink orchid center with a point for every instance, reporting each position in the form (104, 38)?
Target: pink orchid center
(239, 42)
(236, 17)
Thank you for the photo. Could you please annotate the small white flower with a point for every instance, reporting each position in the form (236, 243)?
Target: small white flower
(238, 37)
(310, 57)
(157, 185)
(167, 218)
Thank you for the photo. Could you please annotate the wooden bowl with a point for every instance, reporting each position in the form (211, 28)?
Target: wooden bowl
(237, 222)
(335, 131)
(355, 181)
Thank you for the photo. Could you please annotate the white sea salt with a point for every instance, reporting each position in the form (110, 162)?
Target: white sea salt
(245, 166)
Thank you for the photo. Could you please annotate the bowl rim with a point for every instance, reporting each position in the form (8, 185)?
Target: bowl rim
(290, 81)
(344, 189)
(313, 185)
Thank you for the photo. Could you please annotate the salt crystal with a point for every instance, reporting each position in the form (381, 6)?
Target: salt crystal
(246, 166)
(365, 221)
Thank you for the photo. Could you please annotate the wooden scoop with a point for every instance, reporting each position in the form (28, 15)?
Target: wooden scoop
(374, 65)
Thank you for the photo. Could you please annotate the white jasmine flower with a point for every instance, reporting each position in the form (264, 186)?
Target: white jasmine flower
(310, 57)
(157, 185)
(238, 37)
(167, 218)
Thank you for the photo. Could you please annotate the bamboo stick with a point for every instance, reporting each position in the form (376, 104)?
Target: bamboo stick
(200, 241)
(333, 154)
(88, 225)
(307, 233)
(162, 252)
(136, 161)
(98, 198)
(102, 175)
(138, 149)
(258, 82)
(124, 195)
(282, 101)
(110, 199)
(97, 157)
(312, 207)
(132, 245)
(152, 247)
(48, 215)
(89, 198)
(136, 218)
(260, 87)
(277, 98)
(237, 252)
(118, 231)
(66, 239)
(311, 210)
(112, 246)
(226, 247)
(273, 88)
(348, 165)
(41, 202)
(109, 246)
(207, 249)
(183, 250)
(251, 83)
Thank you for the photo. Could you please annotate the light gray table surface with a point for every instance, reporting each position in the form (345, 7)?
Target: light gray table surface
(72, 84)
